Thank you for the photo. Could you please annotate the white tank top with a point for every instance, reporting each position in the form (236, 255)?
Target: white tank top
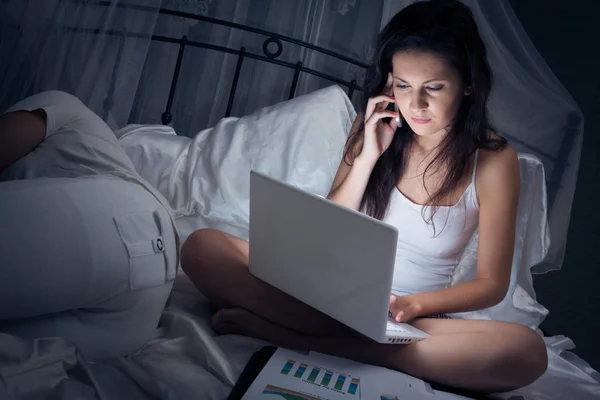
(425, 261)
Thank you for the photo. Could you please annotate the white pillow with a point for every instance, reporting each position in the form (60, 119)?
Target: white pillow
(299, 141)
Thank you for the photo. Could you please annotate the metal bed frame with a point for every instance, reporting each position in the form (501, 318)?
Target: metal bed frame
(558, 161)
(183, 42)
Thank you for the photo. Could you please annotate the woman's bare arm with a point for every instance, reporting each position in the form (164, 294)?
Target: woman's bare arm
(20, 133)
(350, 181)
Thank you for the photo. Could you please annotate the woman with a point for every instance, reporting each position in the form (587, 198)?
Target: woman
(436, 171)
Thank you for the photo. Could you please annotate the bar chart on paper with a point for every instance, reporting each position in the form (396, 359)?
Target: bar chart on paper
(327, 382)
(290, 375)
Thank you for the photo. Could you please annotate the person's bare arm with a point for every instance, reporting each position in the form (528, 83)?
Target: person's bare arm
(20, 133)
(351, 181)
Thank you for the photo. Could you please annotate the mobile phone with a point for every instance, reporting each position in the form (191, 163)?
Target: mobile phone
(390, 107)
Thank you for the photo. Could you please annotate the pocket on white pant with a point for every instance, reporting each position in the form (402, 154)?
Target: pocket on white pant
(141, 233)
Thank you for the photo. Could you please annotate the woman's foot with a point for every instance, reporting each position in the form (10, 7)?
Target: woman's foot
(238, 321)
(231, 321)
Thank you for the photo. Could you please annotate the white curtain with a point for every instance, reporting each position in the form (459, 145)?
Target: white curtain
(531, 108)
(39, 52)
(131, 76)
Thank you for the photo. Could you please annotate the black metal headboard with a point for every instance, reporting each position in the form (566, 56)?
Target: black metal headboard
(183, 42)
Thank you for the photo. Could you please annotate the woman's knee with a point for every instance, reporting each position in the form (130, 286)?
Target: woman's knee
(524, 357)
(194, 247)
(207, 247)
(535, 354)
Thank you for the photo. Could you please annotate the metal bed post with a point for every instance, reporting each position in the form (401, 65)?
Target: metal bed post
(166, 116)
(236, 77)
(295, 80)
(351, 89)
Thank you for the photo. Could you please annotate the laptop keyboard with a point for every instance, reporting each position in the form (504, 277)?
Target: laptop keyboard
(394, 327)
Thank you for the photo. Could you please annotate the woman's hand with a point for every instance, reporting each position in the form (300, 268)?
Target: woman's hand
(404, 308)
(378, 134)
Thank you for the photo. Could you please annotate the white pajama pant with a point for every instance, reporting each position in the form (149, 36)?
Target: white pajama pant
(88, 250)
(89, 259)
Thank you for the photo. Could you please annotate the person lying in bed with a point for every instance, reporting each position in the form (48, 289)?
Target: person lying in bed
(88, 249)
(440, 158)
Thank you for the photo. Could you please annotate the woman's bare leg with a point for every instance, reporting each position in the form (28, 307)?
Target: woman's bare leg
(481, 356)
(474, 355)
(217, 263)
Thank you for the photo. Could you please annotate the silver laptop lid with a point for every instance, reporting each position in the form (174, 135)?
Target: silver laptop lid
(334, 259)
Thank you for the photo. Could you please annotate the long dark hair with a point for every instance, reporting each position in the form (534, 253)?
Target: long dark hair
(446, 28)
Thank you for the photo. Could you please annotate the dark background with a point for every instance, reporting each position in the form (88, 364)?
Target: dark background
(567, 35)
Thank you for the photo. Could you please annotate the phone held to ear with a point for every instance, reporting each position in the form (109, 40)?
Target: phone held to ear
(393, 107)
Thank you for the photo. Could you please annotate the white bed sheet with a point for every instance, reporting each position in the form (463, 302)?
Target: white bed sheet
(187, 359)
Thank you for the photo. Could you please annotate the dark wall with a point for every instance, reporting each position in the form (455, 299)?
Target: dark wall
(567, 34)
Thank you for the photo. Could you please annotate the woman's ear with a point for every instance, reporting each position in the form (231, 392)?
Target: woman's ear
(468, 90)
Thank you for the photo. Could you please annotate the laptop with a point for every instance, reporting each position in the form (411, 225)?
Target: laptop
(336, 260)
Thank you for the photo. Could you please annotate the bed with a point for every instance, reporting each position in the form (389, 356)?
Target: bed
(205, 178)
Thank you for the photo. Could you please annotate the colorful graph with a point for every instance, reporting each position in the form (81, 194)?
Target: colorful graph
(389, 397)
(353, 386)
(340, 382)
(326, 378)
(322, 377)
(288, 367)
(301, 370)
(288, 394)
(313, 375)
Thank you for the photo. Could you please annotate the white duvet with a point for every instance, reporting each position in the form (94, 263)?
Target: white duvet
(206, 181)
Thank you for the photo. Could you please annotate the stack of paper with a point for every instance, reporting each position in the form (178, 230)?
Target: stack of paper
(291, 375)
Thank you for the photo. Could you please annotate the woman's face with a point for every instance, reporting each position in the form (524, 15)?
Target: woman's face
(428, 91)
